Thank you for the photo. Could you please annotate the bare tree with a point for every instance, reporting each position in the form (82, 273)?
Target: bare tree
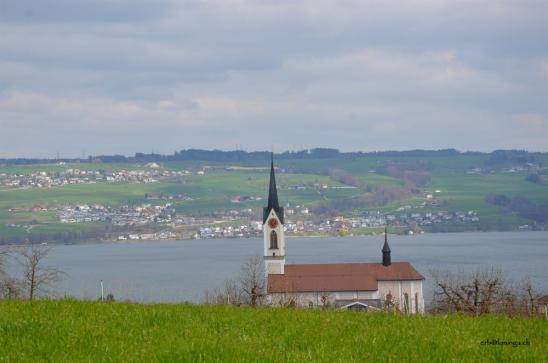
(527, 298)
(227, 294)
(8, 287)
(37, 278)
(247, 289)
(390, 303)
(484, 291)
(475, 293)
(252, 281)
(4, 252)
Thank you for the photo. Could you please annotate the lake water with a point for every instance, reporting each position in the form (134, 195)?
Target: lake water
(174, 271)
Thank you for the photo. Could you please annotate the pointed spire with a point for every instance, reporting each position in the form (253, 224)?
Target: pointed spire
(386, 258)
(273, 195)
(272, 190)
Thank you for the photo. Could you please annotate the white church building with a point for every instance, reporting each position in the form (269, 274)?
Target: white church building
(357, 286)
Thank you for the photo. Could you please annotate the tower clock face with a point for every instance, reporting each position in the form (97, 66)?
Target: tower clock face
(272, 222)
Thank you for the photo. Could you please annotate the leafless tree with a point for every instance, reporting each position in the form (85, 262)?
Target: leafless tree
(227, 294)
(247, 289)
(390, 303)
(524, 300)
(3, 255)
(287, 300)
(7, 286)
(252, 281)
(36, 278)
(324, 300)
(480, 292)
(10, 287)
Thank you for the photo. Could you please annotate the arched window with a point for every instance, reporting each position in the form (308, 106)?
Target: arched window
(273, 240)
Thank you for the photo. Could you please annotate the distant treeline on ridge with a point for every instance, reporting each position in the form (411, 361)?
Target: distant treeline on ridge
(496, 157)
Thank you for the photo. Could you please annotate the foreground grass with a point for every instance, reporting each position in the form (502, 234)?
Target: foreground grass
(87, 331)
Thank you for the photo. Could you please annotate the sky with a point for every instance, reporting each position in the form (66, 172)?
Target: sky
(81, 77)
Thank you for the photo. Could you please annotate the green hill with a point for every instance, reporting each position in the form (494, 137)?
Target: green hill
(66, 330)
(343, 186)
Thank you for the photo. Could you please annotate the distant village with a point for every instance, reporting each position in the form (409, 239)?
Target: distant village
(47, 179)
(156, 218)
(238, 223)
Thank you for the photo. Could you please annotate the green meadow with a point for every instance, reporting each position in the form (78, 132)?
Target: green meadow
(65, 330)
(214, 191)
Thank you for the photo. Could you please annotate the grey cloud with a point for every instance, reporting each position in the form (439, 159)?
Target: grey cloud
(220, 73)
(82, 11)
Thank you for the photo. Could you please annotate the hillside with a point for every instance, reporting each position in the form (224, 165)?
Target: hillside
(34, 198)
(83, 331)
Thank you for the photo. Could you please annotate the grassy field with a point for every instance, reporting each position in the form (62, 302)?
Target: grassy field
(66, 330)
(213, 191)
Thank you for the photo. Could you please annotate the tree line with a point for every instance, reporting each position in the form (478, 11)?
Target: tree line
(495, 157)
(485, 291)
(522, 206)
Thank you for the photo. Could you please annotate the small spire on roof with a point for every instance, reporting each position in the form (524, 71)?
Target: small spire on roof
(386, 258)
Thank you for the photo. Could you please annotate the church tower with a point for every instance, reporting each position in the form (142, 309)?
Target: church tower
(273, 230)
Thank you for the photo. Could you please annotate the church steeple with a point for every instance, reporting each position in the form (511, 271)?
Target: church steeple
(273, 196)
(272, 190)
(386, 258)
(273, 230)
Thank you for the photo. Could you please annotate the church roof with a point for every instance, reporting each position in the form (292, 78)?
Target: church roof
(273, 196)
(339, 277)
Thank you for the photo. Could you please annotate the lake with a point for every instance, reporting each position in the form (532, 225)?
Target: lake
(175, 271)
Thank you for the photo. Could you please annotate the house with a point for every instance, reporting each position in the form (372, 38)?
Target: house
(542, 305)
(355, 286)
(37, 208)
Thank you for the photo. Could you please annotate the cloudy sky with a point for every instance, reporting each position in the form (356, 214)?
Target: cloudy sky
(123, 76)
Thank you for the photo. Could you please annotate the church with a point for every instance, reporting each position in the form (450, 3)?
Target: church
(355, 286)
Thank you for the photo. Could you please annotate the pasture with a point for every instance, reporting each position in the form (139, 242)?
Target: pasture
(68, 330)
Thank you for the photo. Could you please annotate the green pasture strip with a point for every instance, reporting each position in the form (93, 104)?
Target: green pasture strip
(91, 331)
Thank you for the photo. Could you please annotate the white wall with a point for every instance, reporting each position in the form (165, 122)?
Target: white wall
(396, 288)
(266, 236)
(273, 264)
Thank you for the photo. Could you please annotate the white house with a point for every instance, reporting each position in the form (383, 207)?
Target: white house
(356, 286)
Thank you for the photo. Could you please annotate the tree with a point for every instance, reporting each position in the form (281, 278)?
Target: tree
(247, 289)
(529, 296)
(37, 278)
(9, 288)
(3, 256)
(533, 178)
(252, 281)
(477, 293)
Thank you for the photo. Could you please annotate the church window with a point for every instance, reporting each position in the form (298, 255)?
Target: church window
(273, 240)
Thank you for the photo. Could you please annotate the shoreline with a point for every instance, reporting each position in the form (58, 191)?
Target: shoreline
(322, 236)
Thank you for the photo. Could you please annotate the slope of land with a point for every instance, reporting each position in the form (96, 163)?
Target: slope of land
(328, 187)
(84, 331)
